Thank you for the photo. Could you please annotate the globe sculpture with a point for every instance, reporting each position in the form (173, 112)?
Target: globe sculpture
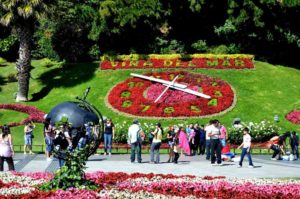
(81, 120)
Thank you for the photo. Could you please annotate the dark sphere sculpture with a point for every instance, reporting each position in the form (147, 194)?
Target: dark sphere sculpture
(77, 124)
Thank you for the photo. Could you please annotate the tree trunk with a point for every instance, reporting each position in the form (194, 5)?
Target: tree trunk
(23, 64)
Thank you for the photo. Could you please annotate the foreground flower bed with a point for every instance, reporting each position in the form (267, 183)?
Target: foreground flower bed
(137, 185)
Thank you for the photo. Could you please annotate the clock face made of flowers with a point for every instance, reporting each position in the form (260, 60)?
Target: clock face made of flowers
(136, 96)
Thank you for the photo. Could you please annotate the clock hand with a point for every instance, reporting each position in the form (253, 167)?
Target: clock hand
(172, 83)
(190, 91)
(158, 80)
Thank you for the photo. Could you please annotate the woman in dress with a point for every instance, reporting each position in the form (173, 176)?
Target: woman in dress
(183, 142)
(6, 149)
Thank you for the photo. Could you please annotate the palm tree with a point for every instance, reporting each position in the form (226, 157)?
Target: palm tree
(21, 15)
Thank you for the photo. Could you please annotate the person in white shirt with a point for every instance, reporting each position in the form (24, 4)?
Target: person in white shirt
(215, 143)
(135, 133)
(207, 130)
(246, 148)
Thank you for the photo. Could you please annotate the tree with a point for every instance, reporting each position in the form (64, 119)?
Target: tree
(21, 17)
(267, 28)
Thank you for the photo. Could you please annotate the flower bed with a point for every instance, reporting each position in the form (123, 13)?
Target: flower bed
(35, 114)
(138, 185)
(177, 61)
(294, 117)
(136, 96)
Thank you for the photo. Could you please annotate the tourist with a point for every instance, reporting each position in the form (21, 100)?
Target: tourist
(109, 134)
(197, 139)
(28, 136)
(246, 148)
(61, 144)
(183, 142)
(202, 140)
(176, 148)
(189, 129)
(207, 139)
(227, 155)
(155, 146)
(223, 135)
(170, 136)
(49, 136)
(191, 138)
(277, 144)
(6, 149)
(215, 152)
(294, 142)
(135, 133)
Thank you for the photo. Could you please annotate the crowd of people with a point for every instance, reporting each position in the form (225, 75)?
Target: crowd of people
(191, 140)
(209, 140)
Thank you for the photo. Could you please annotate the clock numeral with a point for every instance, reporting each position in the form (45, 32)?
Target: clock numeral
(127, 104)
(218, 94)
(125, 94)
(169, 109)
(145, 107)
(195, 109)
(135, 84)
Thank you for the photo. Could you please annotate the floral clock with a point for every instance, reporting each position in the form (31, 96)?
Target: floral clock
(136, 96)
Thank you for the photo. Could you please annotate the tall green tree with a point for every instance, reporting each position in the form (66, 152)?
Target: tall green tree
(269, 27)
(21, 16)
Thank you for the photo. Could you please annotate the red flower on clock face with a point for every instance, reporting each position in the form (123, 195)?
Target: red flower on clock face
(136, 96)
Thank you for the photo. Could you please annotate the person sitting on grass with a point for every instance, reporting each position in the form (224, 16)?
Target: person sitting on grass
(277, 144)
(246, 148)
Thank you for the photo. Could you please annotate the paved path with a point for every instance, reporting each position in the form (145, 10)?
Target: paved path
(196, 165)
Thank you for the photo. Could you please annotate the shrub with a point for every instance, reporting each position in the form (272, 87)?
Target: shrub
(260, 132)
(72, 174)
(2, 60)
(200, 46)
(223, 49)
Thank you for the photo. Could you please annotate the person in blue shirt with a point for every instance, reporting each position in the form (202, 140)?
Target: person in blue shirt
(202, 135)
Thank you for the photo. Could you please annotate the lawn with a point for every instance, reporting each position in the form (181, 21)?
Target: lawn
(262, 92)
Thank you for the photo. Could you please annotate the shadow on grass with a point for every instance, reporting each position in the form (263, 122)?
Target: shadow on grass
(65, 77)
(2, 82)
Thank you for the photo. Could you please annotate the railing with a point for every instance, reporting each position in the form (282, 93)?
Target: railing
(146, 148)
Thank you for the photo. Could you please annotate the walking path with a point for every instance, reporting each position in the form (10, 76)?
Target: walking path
(188, 165)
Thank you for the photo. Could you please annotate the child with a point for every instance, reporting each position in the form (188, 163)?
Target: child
(246, 148)
(175, 149)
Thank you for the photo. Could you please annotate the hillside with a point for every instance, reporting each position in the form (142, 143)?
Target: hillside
(262, 92)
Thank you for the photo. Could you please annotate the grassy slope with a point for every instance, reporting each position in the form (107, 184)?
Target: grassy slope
(261, 93)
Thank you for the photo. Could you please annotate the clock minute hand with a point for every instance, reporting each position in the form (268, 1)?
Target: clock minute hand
(159, 80)
(190, 91)
(168, 86)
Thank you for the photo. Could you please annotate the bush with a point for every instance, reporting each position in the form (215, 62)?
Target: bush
(2, 60)
(72, 174)
(165, 46)
(223, 49)
(260, 132)
(200, 46)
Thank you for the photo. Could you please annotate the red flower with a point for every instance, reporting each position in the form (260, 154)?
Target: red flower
(35, 114)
